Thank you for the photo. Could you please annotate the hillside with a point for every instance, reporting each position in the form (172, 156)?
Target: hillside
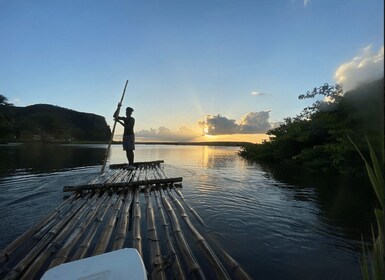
(42, 122)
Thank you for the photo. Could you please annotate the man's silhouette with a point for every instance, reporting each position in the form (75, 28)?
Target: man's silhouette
(128, 136)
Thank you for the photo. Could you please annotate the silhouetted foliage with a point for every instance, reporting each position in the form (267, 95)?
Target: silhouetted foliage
(4, 101)
(50, 123)
(317, 139)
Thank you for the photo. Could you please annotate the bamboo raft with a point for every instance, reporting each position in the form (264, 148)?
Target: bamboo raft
(107, 215)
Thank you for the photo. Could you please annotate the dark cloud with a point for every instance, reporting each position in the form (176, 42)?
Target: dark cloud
(215, 125)
(253, 122)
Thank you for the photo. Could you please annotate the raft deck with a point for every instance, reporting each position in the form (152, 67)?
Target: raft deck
(138, 208)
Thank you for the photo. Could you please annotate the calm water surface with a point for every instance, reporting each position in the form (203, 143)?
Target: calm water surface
(275, 223)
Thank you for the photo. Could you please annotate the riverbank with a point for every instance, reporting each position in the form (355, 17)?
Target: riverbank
(214, 143)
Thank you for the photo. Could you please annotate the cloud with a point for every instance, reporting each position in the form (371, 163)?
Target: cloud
(253, 122)
(257, 93)
(366, 67)
(215, 125)
(165, 134)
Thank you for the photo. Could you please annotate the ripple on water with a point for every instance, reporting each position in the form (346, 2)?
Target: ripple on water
(271, 227)
(26, 198)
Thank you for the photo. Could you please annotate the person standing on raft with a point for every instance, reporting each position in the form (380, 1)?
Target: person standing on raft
(128, 123)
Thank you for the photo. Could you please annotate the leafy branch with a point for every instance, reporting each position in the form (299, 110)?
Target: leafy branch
(375, 269)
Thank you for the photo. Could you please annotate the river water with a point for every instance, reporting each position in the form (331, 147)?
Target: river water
(278, 224)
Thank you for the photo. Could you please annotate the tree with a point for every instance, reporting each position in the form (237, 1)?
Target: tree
(317, 138)
(4, 101)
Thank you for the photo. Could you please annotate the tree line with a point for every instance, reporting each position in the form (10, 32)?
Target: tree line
(318, 138)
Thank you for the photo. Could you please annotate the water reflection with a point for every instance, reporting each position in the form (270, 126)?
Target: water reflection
(344, 202)
(277, 223)
(37, 157)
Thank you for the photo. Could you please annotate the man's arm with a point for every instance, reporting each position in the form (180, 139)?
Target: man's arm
(118, 119)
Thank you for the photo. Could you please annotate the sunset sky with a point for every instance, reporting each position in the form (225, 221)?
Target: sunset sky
(229, 69)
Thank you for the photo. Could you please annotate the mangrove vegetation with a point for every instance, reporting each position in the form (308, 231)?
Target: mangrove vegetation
(318, 138)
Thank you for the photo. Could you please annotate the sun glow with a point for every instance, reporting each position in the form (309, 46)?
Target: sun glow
(205, 130)
(252, 138)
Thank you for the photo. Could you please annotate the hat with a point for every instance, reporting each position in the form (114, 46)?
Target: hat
(129, 109)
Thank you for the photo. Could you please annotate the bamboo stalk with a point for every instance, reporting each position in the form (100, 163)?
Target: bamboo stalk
(201, 242)
(195, 271)
(62, 255)
(104, 239)
(112, 178)
(17, 271)
(192, 210)
(113, 129)
(6, 252)
(139, 173)
(136, 164)
(129, 176)
(157, 269)
(235, 268)
(137, 239)
(55, 243)
(161, 172)
(83, 248)
(177, 269)
(124, 220)
(28, 244)
(122, 184)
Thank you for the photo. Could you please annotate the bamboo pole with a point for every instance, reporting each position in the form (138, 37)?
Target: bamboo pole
(83, 248)
(123, 224)
(236, 270)
(56, 242)
(113, 129)
(62, 255)
(157, 269)
(195, 271)
(137, 239)
(192, 210)
(138, 173)
(113, 177)
(28, 244)
(161, 172)
(7, 252)
(136, 164)
(129, 176)
(122, 184)
(105, 238)
(201, 242)
(177, 269)
(17, 271)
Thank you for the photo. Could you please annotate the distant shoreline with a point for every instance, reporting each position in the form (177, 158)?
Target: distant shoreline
(213, 143)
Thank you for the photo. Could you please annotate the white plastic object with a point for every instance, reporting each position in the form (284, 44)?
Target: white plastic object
(120, 264)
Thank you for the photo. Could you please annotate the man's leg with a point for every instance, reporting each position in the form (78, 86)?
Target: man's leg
(130, 156)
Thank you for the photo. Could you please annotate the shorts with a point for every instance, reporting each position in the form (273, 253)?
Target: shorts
(129, 142)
